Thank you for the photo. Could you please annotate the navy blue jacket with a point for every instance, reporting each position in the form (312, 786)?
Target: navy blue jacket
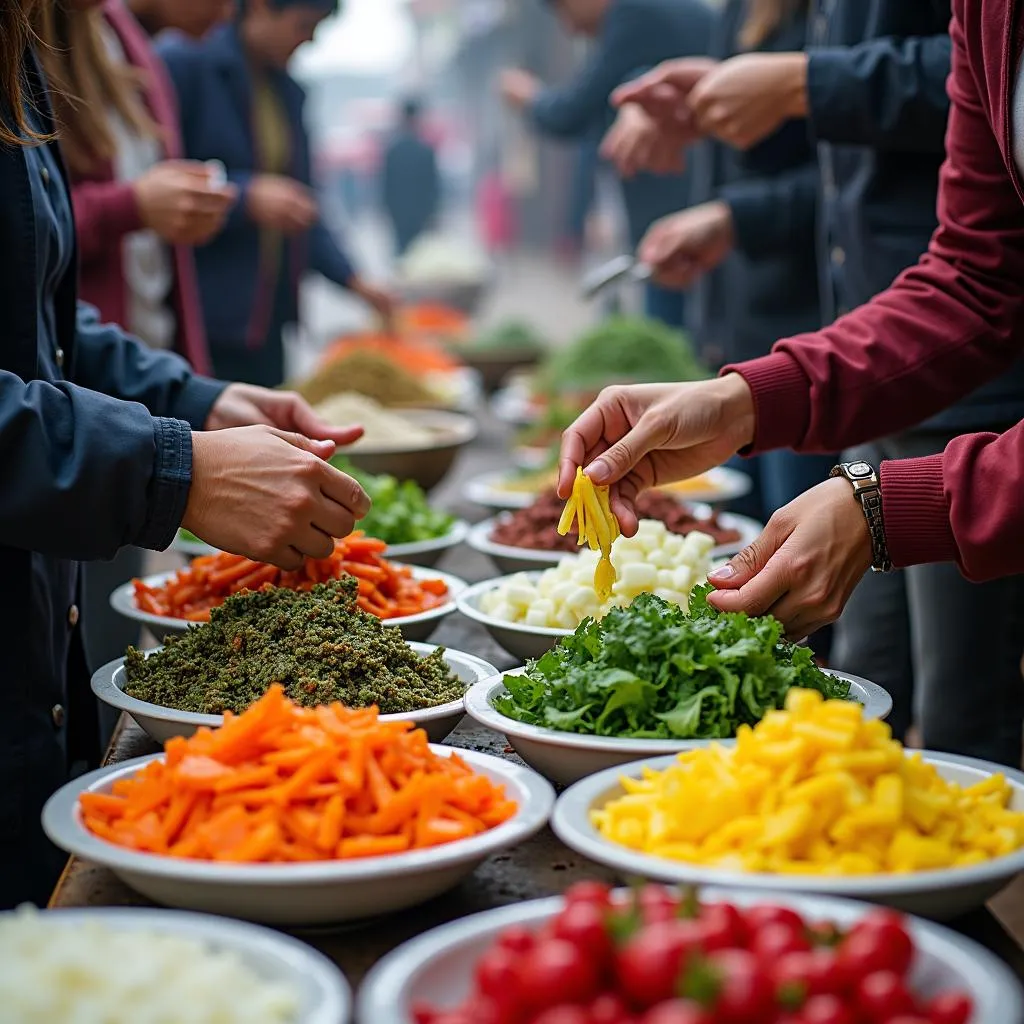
(83, 474)
(636, 35)
(411, 183)
(876, 85)
(768, 287)
(214, 88)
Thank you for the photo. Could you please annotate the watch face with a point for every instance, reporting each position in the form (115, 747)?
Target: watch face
(859, 469)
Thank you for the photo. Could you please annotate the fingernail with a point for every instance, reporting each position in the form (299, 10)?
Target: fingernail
(723, 572)
(598, 471)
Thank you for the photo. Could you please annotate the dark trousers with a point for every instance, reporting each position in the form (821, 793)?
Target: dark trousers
(949, 651)
(665, 304)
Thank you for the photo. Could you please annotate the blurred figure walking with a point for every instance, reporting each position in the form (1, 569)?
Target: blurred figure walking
(411, 179)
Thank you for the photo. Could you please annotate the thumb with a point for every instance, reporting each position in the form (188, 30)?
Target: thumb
(661, 244)
(612, 465)
(745, 564)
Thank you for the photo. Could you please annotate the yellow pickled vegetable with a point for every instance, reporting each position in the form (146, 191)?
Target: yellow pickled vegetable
(813, 790)
(597, 526)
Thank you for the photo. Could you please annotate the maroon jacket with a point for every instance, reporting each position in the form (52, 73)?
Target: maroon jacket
(105, 209)
(945, 326)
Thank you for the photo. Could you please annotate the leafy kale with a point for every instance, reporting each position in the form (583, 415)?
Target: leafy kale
(654, 671)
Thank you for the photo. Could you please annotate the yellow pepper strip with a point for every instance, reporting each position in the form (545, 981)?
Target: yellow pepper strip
(813, 790)
(597, 526)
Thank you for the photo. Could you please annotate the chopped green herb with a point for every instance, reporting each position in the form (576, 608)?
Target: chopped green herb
(654, 671)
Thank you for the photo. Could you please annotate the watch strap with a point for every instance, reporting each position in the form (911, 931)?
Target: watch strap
(867, 489)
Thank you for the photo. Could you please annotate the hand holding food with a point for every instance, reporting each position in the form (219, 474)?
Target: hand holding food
(269, 494)
(596, 526)
(636, 436)
(175, 199)
(812, 790)
(664, 957)
(635, 143)
(683, 246)
(804, 566)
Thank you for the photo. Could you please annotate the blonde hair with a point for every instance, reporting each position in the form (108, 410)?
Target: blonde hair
(86, 83)
(764, 17)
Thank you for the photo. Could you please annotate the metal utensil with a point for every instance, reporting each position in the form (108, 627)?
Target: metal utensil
(617, 272)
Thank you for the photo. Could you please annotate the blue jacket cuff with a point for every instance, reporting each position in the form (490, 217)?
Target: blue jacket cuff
(196, 400)
(169, 484)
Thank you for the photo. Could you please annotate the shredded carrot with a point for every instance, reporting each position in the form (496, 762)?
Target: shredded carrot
(415, 356)
(386, 590)
(434, 320)
(282, 783)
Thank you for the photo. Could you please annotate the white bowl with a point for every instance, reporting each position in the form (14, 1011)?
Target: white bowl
(489, 490)
(162, 723)
(521, 641)
(413, 627)
(567, 757)
(939, 894)
(323, 994)
(437, 967)
(324, 892)
(421, 552)
(510, 559)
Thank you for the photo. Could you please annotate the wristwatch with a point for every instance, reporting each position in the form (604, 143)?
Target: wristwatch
(867, 489)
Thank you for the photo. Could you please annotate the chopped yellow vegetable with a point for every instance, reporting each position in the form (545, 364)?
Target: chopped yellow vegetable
(813, 790)
(597, 526)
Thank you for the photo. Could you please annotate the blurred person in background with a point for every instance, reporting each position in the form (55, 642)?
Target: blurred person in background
(192, 17)
(106, 443)
(411, 184)
(871, 92)
(628, 36)
(240, 106)
(138, 208)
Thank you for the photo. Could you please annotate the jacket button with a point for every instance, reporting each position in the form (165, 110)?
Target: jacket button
(59, 356)
(73, 616)
(838, 256)
(57, 714)
(45, 175)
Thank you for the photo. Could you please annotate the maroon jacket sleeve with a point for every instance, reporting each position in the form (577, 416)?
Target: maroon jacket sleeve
(104, 211)
(943, 328)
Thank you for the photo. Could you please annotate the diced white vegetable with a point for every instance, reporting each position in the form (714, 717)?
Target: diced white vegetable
(639, 577)
(660, 559)
(696, 547)
(520, 595)
(683, 579)
(537, 617)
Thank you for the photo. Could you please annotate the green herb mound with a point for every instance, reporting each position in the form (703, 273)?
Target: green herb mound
(652, 671)
(400, 512)
(317, 644)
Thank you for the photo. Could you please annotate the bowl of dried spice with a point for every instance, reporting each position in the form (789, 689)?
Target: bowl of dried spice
(317, 644)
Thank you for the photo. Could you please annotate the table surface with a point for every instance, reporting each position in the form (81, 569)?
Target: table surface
(543, 866)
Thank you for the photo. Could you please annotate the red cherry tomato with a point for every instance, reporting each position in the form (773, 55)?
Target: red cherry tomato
(746, 994)
(649, 965)
(882, 995)
(517, 939)
(608, 1008)
(798, 976)
(498, 975)
(589, 892)
(907, 1018)
(563, 1015)
(825, 1010)
(677, 1011)
(556, 972)
(762, 914)
(583, 924)
(950, 1008)
(723, 927)
(774, 941)
(864, 952)
(657, 904)
(893, 947)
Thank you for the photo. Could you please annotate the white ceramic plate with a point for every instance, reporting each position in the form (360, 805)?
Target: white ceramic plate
(513, 405)
(421, 552)
(567, 757)
(162, 723)
(323, 994)
(437, 967)
(510, 559)
(939, 894)
(324, 892)
(491, 491)
(413, 627)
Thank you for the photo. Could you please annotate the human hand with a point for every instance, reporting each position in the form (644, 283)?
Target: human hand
(280, 203)
(634, 143)
(242, 405)
(175, 199)
(636, 436)
(270, 495)
(804, 566)
(682, 246)
(518, 88)
(663, 93)
(382, 301)
(746, 99)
